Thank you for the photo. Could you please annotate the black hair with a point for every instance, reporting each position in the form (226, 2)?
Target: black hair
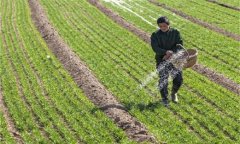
(163, 19)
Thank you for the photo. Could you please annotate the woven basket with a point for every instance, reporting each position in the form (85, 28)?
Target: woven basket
(192, 58)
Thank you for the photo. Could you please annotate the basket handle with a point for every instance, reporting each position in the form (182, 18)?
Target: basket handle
(184, 49)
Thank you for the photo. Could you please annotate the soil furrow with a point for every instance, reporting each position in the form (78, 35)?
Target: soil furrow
(212, 75)
(224, 5)
(197, 21)
(89, 83)
(218, 78)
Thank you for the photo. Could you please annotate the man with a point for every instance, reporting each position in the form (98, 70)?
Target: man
(164, 43)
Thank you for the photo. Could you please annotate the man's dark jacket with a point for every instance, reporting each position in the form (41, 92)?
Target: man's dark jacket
(164, 41)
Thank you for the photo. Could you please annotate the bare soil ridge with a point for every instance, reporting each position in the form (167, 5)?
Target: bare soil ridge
(10, 124)
(197, 21)
(224, 5)
(212, 75)
(95, 91)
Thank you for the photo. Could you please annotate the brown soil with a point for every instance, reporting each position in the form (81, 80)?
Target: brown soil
(212, 75)
(85, 78)
(10, 124)
(225, 5)
(197, 21)
(218, 78)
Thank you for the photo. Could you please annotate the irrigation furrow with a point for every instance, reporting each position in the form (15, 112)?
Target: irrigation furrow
(217, 78)
(92, 88)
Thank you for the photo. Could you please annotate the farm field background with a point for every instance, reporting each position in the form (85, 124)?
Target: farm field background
(41, 102)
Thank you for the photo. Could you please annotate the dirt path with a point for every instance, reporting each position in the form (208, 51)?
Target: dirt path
(10, 124)
(86, 80)
(212, 75)
(197, 21)
(224, 5)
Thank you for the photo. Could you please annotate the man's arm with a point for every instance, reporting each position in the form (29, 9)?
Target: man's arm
(155, 46)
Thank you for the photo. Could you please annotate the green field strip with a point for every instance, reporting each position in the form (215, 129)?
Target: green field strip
(89, 127)
(229, 47)
(5, 136)
(208, 12)
(114, 83)
(34, 97)
(234, 3)
(10, 92)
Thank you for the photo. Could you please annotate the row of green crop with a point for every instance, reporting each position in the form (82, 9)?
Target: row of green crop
(120, 61)
(216, 15)
(215, 51)
(4, 133)
(45, 103)
(234, 3)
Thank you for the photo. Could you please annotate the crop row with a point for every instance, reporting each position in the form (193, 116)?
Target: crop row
(234, 3)
(120, 61)
(4, 133)
(215, 51)
(44, 102)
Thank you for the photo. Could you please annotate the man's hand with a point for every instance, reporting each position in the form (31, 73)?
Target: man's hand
(168, 55)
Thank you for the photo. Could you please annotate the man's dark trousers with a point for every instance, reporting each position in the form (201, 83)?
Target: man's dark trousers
(165, 69)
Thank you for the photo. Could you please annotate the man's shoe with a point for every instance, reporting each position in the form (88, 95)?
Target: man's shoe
(165, 102)
(174, 98)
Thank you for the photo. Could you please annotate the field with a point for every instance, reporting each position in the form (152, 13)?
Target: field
(83, 71)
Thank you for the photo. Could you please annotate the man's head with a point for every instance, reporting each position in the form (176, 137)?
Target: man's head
(163, 23)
